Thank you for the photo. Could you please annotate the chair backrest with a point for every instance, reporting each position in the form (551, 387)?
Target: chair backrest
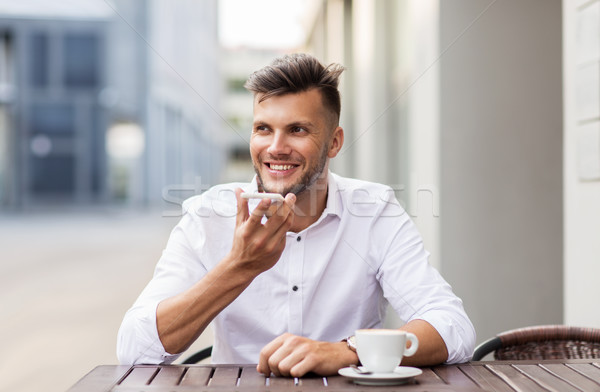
(199, 356)
(542, 342)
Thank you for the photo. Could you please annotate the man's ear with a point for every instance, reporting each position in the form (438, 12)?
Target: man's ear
(336, 142)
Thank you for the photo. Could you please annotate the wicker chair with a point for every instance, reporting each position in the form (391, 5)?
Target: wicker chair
(542, 342)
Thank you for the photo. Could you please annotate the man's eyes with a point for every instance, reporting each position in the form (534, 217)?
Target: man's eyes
(265, 129)
(261, 128)
(298, 129)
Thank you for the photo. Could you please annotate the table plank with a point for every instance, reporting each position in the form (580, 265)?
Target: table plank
(101, 378)
(313, 383)
(139, 376)
(281, 382)
(568, 374)
(485, 379)
(409, 387)
(546, 379)
(429, 378)
(434, 388)
(586, 369)
(225, 377)
(196, 376)
(339, 383)
(251, 378)
(515, 379)
(454, 376)
(431, 382)
(168, 376)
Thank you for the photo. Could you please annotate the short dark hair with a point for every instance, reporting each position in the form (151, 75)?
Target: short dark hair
(296, 73)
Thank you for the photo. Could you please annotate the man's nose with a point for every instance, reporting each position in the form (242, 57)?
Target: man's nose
(279, 144)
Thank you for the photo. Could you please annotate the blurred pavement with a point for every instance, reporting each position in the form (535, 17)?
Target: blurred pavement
(66, 280)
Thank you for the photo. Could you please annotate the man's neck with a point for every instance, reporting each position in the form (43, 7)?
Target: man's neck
(310, 205)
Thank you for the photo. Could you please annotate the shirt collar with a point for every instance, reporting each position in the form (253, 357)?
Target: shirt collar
(334, 198)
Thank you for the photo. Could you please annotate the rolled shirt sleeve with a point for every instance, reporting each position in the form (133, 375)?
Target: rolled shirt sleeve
(458, 335)
(138, 341)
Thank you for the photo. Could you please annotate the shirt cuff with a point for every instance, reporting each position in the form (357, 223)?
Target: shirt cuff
(459, 343)
(144, 343)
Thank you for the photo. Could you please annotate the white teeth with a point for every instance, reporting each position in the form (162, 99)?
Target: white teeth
(281, 167)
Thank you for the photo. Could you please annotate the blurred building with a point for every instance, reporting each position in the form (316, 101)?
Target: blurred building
(53, 69)
(108, 101)
(186, 148)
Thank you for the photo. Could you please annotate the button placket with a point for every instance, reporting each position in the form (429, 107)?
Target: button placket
(296, 266)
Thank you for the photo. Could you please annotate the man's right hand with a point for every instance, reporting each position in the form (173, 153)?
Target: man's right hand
(257, 246)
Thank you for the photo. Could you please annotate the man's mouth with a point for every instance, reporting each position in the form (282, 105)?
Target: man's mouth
(277, 167)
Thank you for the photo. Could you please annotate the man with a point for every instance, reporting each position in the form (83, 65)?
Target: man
(284, 283)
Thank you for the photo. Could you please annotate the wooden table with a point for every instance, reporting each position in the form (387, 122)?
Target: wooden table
(497, 376)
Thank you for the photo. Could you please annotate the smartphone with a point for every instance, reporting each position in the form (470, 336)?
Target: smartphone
(262, 195)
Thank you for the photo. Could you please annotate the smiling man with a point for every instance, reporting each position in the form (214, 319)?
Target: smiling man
(286, 284)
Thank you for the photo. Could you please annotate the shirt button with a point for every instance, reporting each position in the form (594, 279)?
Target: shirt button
(299, 238)
(295, 288)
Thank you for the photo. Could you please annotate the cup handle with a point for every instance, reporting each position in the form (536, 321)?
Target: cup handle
(414, 344)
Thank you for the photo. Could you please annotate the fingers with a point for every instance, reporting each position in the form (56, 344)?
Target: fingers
(285, 356)
(242, 207)
(279, 356)
(301, 368)
(262, 209)
(291, 355)
(256, 245)
(278, 213)
(266, 353)
(281, 212)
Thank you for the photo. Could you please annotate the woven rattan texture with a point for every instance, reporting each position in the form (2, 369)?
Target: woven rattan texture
(557, 349)
(549, 342)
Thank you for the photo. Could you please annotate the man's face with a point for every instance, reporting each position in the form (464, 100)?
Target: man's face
(292, 138)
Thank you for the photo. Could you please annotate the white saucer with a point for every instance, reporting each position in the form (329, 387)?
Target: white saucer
(400, 375)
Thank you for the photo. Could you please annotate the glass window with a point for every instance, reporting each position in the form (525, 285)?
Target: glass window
(38, 60)
(81, 60)
(5, 58)
(52, 118)
(53, 175)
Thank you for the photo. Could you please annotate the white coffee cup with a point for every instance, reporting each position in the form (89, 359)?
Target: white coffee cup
(381, 350)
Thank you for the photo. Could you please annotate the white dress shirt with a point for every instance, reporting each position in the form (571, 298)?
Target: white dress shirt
(333, 278)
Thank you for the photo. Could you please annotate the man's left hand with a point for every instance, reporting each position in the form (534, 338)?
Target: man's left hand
(293, 356)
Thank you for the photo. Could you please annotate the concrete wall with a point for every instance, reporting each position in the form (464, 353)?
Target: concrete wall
(582, 161)
(501, 160)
